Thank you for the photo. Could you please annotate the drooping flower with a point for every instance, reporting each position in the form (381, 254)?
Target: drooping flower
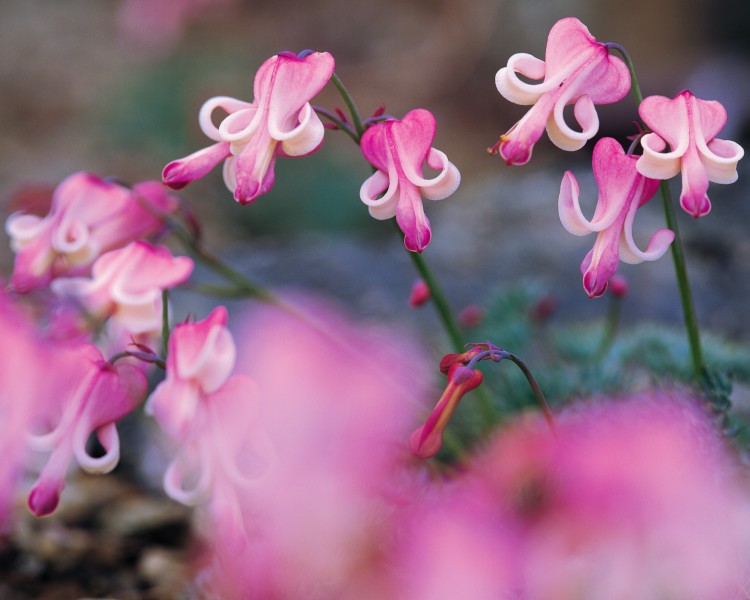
(689, 125)
(399, 150)
(88, 216)
(577, 70)
(427, 440)
(84, 395)
(622, 190)
(126, 285)
(278, 122)
(200, 360)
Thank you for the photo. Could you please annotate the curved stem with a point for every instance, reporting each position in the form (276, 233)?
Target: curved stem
(345, 127)
(353, 111)
(534, 388)
(686, 297)
(635, 88)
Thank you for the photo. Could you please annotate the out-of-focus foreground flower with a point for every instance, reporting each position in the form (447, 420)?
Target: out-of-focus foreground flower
(88, 217)
(636, 498)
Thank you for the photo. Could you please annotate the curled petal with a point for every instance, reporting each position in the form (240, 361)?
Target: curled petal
(657, 246)
(655, 163)
(110, 441)
(381, 206)
(189, 484)
(513, 88)
(569, 209)
(720, 159)
(229, 105)
(303, 139)
(565, 138)
(444, 183)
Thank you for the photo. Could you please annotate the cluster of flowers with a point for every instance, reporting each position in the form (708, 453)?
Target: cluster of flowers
(297, 445)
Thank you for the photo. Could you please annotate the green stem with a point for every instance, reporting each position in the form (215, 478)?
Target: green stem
(686, 297)
(439, 301)
(678, 255)
(635, 88)
(610, 327)
(351, 105)
(164, 322)
(534, 388)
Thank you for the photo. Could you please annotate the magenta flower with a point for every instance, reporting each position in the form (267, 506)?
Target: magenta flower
(577, 70)
(89, 216)
(126, 285)
(689, 125)
(85, 395)
(279, 122)
(399, 150)
(622, 190)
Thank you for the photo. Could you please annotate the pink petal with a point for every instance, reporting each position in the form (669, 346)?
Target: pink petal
(179, 173)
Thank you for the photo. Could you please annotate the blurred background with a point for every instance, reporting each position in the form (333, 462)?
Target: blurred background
(114, 87)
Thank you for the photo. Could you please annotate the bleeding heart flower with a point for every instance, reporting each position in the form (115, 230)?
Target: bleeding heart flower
(622, 190)
(577, 70)
(84, 395)
(689, 125)
(89, 216)
(127, 285)
(399, 150)
(279, 121)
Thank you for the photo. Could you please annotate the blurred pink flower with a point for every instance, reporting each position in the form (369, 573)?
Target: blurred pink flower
(637, 498)
(337, 403)
(88, 216)
(23, 368)
(158, 24)
(83, 394)
(577, 70)
(126, 285)
(399, 151)
(622, 191)
(279, 122)
(689, 125)
(420, 294)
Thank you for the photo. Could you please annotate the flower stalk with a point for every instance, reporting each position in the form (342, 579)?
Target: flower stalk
(678, 254)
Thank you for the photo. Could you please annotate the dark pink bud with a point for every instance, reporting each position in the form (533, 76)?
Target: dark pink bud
(420, 294)
(618, 285)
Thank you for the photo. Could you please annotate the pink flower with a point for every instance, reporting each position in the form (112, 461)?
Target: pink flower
(629, 498)
(337, 403)
(399, 150)
(84, 395)
(689, 125)
(427, 440)
(577, 70)
(89, 216)
(126, 285)
(420, 294)
(622, 190)
(23, 369)
(158, 24)
(200, 360)
(210, 414)
(279, 121)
